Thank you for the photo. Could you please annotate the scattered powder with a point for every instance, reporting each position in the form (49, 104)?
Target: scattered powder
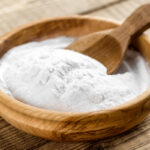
(45, 75)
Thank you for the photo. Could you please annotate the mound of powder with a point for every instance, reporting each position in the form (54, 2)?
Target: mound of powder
(45, 75)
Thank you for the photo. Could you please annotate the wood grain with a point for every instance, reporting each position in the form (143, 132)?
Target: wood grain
(14, 13)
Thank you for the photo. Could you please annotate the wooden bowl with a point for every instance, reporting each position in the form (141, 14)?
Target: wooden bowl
(65, 126)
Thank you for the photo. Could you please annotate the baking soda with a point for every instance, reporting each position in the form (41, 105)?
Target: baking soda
(44, 75)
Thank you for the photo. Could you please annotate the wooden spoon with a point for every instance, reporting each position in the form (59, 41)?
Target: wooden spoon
(109, 47)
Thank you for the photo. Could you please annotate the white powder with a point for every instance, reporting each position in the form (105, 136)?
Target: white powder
(45, 75)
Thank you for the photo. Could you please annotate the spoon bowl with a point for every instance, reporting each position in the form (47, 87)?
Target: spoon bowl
(101, 46)
(67, 126)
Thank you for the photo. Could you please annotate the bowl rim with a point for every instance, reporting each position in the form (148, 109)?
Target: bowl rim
(33, 111)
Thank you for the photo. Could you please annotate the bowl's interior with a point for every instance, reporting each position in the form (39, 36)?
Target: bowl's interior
(67, 126)
(63, 26)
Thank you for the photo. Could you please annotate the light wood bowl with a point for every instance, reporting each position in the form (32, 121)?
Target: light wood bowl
(65, 126)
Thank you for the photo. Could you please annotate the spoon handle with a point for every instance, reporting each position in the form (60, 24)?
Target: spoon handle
(137, 22)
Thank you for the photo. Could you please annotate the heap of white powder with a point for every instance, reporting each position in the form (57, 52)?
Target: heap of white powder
(45, 75)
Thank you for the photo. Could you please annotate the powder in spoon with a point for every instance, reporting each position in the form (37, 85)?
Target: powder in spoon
(45, 75)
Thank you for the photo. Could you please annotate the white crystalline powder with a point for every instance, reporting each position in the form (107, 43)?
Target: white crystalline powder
(45, 75)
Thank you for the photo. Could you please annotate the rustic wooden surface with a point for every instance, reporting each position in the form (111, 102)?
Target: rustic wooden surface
(17, 12)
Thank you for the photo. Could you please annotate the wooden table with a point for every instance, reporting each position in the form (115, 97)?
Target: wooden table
(16, 12)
